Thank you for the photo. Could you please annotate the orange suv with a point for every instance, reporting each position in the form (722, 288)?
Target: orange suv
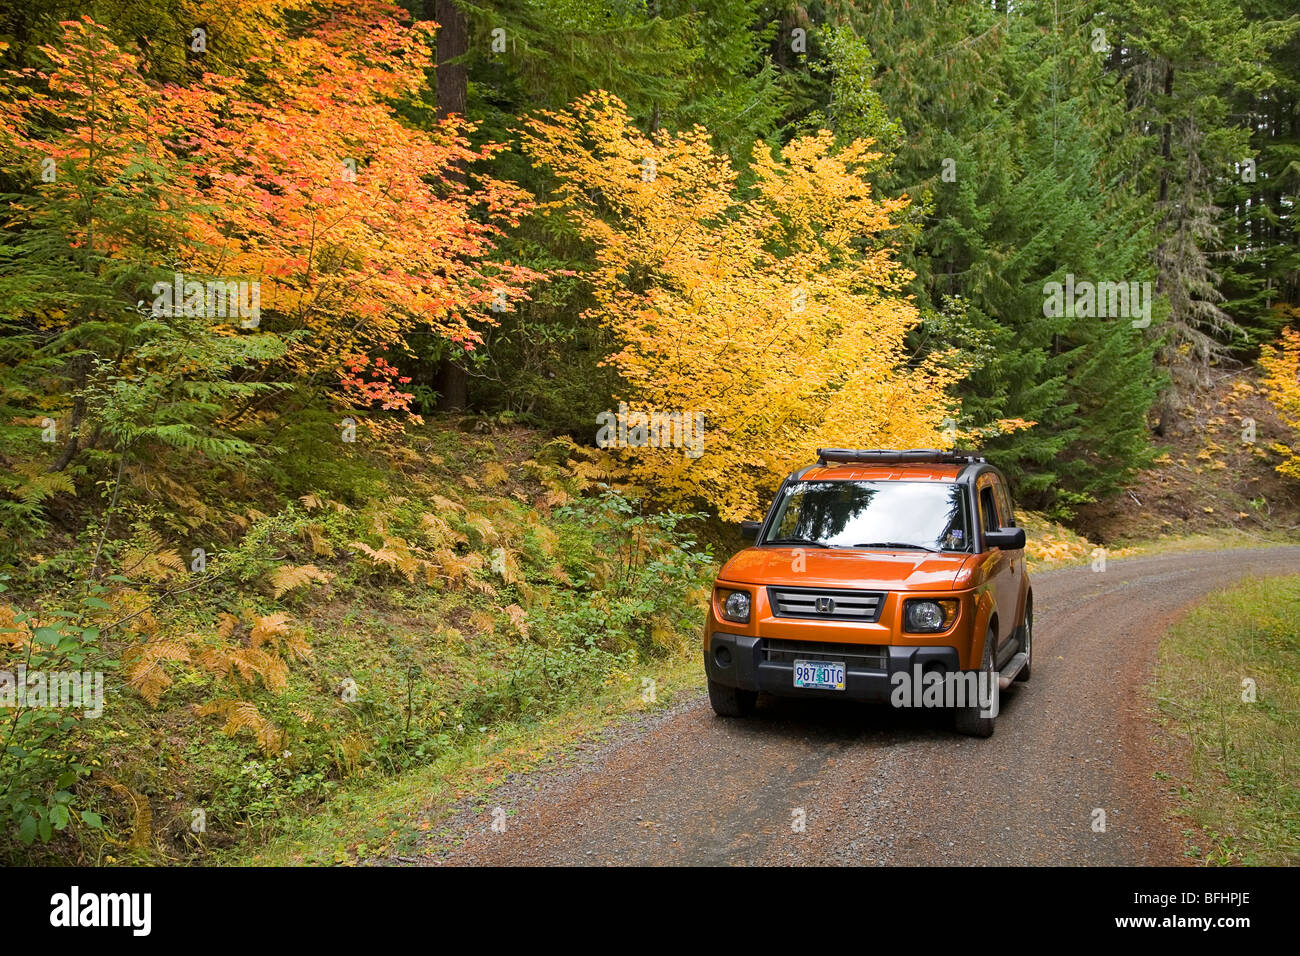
(877, 576)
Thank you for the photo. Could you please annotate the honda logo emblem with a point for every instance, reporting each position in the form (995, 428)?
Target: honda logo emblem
(825, 605)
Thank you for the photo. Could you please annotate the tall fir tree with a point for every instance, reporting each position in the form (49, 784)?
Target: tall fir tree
(1009, 142)
(1261, 247)
(1180, 62)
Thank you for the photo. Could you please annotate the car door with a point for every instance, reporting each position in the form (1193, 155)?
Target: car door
(1016, 559)
(1000, 562)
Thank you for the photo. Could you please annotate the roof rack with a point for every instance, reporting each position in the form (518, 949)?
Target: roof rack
(885, 456)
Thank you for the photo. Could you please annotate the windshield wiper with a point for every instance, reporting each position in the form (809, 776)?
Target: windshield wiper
(801, 541)
(897, 544)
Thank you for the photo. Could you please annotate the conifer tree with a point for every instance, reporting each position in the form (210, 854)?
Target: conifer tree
(1011, 143)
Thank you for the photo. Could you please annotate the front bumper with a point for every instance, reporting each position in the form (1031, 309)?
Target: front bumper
(736, 660)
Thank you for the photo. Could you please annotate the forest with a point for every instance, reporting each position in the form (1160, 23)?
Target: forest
(376, 378)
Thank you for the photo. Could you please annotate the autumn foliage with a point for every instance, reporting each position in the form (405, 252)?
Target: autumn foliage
(1281, 366)
(358, 224)
(295, 172)
(776, 310)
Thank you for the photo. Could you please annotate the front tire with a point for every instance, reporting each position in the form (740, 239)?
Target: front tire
(970, 720)
(731, 701)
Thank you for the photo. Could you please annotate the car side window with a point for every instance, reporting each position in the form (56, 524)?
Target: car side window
(1004, 504)
(988, 510)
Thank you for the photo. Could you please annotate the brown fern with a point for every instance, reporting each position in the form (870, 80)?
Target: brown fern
(145, 558)
(446, 504)
(439, 533)
(275, 630)
(519, 618)
(241, 715)
(252, 662)
(141, 812)
(483, 528)
(144, 669)
(13, 633)
(320, 544)
(348, 752)
(494, 474)
(290, 576)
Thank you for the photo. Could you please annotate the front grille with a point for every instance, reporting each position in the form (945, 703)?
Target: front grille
(826, 604)
(857, 656)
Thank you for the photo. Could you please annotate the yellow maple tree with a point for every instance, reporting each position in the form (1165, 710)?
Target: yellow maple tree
(777, 311)
(1281, 366)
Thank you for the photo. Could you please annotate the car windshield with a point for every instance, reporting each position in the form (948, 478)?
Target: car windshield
(925, 515)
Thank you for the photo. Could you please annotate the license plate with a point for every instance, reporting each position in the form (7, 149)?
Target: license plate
(819, 675)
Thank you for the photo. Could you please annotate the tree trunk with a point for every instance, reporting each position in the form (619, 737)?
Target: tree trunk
(1166, 151)
(81, 369)
(1166, 406)
(453, 42)
(451, 380)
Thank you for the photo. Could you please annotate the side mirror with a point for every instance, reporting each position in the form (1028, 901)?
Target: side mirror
(1008, 539)
(750, 529)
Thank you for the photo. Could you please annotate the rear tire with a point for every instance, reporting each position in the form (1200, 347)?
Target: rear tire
(970, 720)
(1025, 637)
(731, 701)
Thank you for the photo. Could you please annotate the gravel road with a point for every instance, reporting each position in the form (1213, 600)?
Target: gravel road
(878, 786)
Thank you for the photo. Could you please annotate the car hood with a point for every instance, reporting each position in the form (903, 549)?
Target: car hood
(842, 568)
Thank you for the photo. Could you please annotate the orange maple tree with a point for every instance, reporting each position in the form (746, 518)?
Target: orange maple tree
(356, 222)
(298, 173)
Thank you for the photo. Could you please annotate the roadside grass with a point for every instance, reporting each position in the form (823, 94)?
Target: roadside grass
(1222, 540)
(1049, 545)
(377, 819)
(1242, 794)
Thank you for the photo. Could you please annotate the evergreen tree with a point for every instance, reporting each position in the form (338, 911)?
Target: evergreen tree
(1180, 60)
(1009, 142)
(1261, 256)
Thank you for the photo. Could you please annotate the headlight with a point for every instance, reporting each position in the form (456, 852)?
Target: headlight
(735, 606)
(927, 617)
